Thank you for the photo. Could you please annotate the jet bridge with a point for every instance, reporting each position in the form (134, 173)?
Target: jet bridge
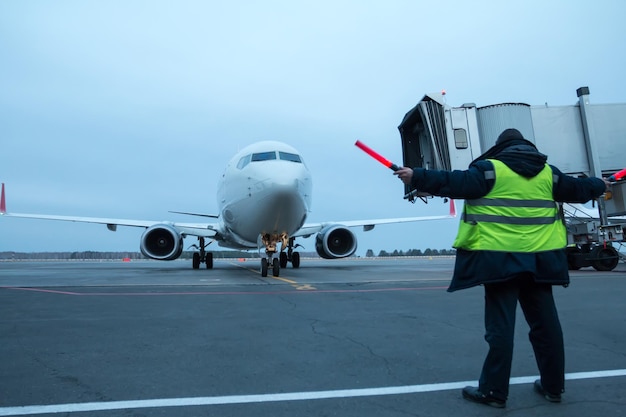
(582, 140)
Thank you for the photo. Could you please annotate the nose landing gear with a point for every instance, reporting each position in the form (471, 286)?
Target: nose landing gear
(270, 261)
(270, 240)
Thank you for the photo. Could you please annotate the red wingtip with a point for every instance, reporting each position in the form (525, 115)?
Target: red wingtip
(452, 208)
(3, 202)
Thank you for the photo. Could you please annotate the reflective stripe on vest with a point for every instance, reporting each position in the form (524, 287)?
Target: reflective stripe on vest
(518, 215)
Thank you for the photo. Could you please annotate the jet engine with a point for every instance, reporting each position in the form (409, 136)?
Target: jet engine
(161, 242)
(335, 241)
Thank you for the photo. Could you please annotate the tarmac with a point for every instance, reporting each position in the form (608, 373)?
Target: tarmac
(351, 337)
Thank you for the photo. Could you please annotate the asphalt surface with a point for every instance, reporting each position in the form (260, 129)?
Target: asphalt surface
(332, 338)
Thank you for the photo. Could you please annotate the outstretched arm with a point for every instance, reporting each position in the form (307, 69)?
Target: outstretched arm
(467, 184)
(577, 190)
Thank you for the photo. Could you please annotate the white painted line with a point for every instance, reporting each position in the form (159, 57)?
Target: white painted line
(262, 398)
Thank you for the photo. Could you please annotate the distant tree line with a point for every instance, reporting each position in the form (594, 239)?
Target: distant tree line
(114, 256)
(412, 252)
(62, 256)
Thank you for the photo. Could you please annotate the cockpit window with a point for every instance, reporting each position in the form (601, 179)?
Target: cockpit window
(244, 161)
(286, 156)
(268, 156)
(263, 156)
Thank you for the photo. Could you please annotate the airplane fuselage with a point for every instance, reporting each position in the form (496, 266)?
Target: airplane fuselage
(266, 188)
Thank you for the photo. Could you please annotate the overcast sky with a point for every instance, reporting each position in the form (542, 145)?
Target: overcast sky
(132, 108)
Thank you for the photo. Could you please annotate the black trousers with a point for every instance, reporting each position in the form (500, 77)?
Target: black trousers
(545, 334)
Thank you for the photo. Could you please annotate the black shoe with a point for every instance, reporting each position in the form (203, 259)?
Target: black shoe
(474, 394)
(554, 398)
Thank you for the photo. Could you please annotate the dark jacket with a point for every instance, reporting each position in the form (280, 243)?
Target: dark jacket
(479, 267)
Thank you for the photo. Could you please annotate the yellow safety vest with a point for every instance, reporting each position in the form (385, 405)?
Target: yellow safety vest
(519, 214)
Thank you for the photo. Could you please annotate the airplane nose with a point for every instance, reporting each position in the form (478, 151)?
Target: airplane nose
(288, 184)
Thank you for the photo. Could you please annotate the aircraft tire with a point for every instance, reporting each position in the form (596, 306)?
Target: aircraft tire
(263, 267)
(276, 267)
(295, 259)
(283, 260)
(195, 260)
(209, 260)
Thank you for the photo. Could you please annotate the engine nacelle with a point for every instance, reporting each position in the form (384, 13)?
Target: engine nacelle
(335, 241)
(161, 242)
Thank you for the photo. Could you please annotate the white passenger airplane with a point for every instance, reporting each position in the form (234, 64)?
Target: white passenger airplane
(263, 198)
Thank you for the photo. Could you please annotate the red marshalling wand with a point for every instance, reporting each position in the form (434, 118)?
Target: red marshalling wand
(377, 156)
(618, 175)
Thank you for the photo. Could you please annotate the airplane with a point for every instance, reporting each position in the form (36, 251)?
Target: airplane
(263, 199)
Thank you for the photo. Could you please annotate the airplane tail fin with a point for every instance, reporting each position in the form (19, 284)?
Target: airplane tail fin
(3, 202)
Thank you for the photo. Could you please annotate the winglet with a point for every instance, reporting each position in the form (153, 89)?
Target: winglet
(3, 202)
(452, 208)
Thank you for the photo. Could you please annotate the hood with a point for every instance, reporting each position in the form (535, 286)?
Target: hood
(517, 153)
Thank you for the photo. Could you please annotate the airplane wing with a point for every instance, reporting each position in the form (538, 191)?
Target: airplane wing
(310, 228)
(210, 230)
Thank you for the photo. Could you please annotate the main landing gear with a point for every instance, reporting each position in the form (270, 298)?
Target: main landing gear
(291, 255)
(270, 261)
(202, 256)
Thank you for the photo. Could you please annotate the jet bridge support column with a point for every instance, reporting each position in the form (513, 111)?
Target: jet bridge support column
(598, 253)
(590, 144)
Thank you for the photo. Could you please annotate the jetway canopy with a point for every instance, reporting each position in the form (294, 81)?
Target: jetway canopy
(582, 140)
